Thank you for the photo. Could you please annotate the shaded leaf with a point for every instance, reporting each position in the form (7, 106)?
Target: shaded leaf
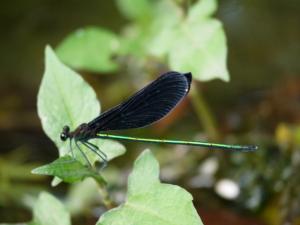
(68, 170)
(140, 10)
(82, 195)
(90, 49)
(151, 202)
(49, 211)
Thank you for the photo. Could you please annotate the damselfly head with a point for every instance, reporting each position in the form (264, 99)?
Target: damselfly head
(65, 133)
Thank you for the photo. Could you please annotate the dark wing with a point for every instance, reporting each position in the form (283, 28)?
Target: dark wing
(147, 105)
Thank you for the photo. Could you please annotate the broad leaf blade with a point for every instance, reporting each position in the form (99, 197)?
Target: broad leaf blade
(68, 170)
(195, 42)
(201, 48)
(151, 202)
(49, 211)
(202, 9)
(90, 49)
(65, 98)
(163, 27)
(155, 37)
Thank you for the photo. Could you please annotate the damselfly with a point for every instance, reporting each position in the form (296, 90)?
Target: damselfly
(145, 107)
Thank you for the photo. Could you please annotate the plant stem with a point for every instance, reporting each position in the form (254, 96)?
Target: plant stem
(107, 201)
(203, 113)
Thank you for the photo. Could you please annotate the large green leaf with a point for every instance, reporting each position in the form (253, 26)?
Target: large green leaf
(65, 98)
(90, 49)
(151, 202)
(200, 47)
(49, 211)
(193, 42)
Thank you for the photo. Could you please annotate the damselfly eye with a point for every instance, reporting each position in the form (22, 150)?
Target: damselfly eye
(63, 136)
(65, 133)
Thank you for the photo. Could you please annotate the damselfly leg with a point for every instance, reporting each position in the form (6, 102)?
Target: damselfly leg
(71, 149)
(97, 151)
(83, 154)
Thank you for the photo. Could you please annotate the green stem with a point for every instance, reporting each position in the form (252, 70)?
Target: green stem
(107, 201)
(203, 113)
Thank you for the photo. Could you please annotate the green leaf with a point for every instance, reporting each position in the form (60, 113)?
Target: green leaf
(90, 49)
(140, 10)
(68, 170)
(49, 211)
(65, 98)
(201, 10)
(155, 37)
(200, 48)
(151, 202)
(163, 27)
(189, 43)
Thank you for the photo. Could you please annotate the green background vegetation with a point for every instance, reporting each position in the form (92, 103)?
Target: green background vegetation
(128, 47)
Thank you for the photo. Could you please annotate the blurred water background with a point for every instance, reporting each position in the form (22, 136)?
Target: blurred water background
(260, 105)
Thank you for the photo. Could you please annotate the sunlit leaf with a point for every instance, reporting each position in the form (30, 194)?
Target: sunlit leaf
(200, 48)
(151, 202)
(90, 49)
(50, 211)
(201, 10)
(66, 99)
(163, 27)
(194, 42)
(68, 170)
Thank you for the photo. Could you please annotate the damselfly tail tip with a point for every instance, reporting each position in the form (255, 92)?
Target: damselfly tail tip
(250, 148)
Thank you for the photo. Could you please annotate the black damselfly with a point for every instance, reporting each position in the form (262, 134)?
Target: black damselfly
(145, 107)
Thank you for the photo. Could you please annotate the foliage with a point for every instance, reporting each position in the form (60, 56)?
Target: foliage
(15, 177)
(49, 211)
(66, 99)
(91, 49)
(183, 40)
(151, 202)
(69, 170)
(148, 202)
(151, 194)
